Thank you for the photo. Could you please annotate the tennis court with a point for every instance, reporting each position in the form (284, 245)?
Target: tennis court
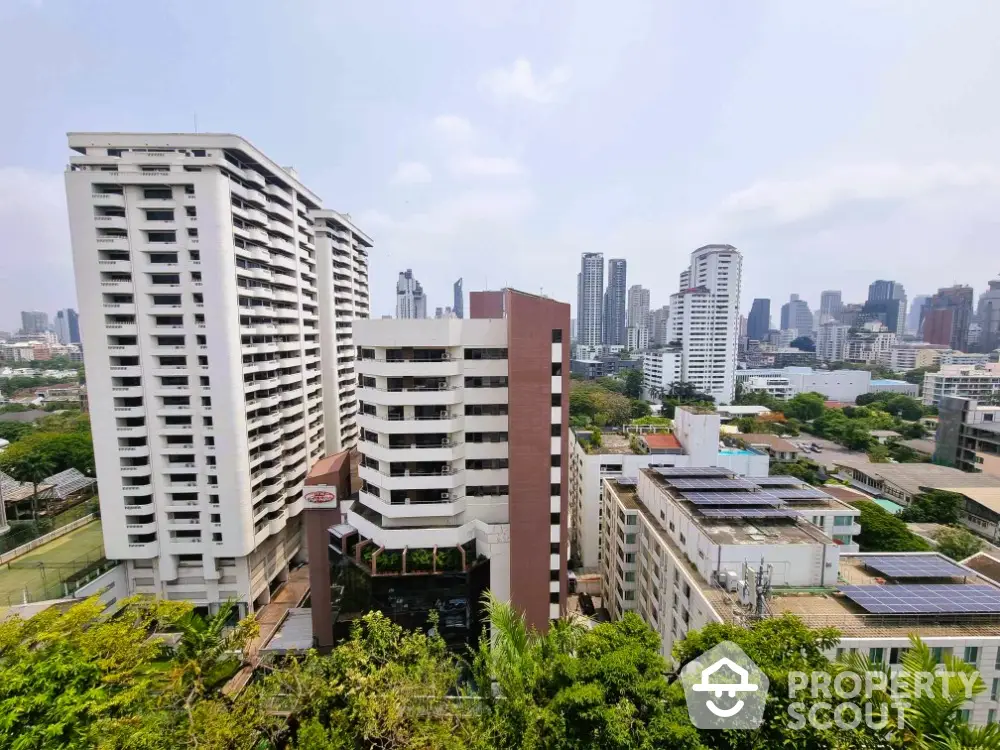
(43, 570)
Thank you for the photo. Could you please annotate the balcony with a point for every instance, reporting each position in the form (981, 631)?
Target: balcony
(442, 508)
(412, 451)
(409, 367)
(369, 525)
(116, 266)
(416, 480)
(111, 222)
(416, 396)
(412, 425)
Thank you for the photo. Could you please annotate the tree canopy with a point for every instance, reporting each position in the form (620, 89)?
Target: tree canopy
(957, 543)
(934, 506)
(881, 531)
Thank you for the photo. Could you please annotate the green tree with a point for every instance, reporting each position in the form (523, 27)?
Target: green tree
(856, 437)
(639, 409)
(878, 454)
(917, 376)
(60, 451)
(957, 543)
(803, 343)
(14, 431)
(934, 506)
(931, 717)
(803, 468)
(778, 646)
(881, 531)
(804, 406)
(27, 467)
(633, 383)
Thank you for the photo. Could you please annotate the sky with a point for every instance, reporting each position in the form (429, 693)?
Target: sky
(832, 143)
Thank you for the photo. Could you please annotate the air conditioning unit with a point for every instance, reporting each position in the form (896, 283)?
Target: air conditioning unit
(732, 580)
(746, 593)
(445, 495)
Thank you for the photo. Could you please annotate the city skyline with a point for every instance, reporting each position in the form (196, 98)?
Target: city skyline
(537, 147)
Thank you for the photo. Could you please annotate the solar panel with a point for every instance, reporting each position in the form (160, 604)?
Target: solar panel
(712, 484)
(693, 471)
(914, 566)
(732, 498)
(747, 513)
(782, 481)
(803, 494)
(627, 481)
(906, 599)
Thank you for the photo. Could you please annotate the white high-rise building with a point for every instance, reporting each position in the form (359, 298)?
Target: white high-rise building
(410, 299)
(704, 318)
(590, 300)
(342, 264)
(203, 304)
(831, 342)
(638, 307)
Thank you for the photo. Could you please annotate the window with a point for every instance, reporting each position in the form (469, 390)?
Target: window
(557, 399)
(557, 335)
(191, 211)
(486, 410)
(556, 430)
(971, 655)
(557, 368)
(991, 716)
(876, 655)
(843, 520)
(964, 715)
(554, 548)
(896, 655)
(630, 539)
(160, 215)
(553, 575)
(995, 690)
(630, 557)
(553, 597)
(158, 193)
(555, 460)
(938, 653)
(555, 490)
(629, 596)
(630, 576)
(192, 232)
(553, 519)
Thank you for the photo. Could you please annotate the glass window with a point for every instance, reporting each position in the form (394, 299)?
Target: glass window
(971, 655)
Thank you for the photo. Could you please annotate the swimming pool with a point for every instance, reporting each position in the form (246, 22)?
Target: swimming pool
(736, 452)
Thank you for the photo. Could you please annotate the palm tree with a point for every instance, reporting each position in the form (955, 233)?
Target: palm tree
(930, 719)
(34, 468)
(209, 650)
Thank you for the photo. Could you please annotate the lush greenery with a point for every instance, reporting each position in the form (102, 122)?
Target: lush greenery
(54, 443)
(957, 543)
(682, 394)
(896, 404)
(83, 679)
(11, 385)
(607, 402)
(881, 531)
(804, 343)
(935, 506)
(802, 468)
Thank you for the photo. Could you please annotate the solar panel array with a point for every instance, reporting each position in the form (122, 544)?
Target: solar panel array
(905, 599)
(782, 481)
(712, 484)
(732, 498)
(748, 513)
(803, 494)
(914, 566)
(695, 471)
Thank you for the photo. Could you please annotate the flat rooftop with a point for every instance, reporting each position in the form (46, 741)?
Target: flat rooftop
(829, 608)
(745, 530)
(912, 477)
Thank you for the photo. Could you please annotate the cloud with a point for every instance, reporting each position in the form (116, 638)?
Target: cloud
(520, 82)
(790, 201)
(411, 173)
(454, 128)
(487, 166)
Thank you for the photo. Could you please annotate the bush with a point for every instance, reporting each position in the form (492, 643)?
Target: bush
(881, 531)
(957, 544)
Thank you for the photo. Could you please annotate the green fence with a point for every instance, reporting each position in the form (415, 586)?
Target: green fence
(37, 580)
(22, 532)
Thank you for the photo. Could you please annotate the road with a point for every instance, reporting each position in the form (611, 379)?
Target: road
(829, 453)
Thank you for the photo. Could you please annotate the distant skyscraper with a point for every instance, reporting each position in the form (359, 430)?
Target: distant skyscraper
(638, 307)
(830, 303)
(704, 318)
(915, 314)
(443, 312)
(61, 327)
(759, 320)
(458, 305)
(614, 303)
(796, 314)
(988, 313)
(590, 298)
(659, 326)
(947, 316)
(34, 322)
(410, 299)
(886, 304)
